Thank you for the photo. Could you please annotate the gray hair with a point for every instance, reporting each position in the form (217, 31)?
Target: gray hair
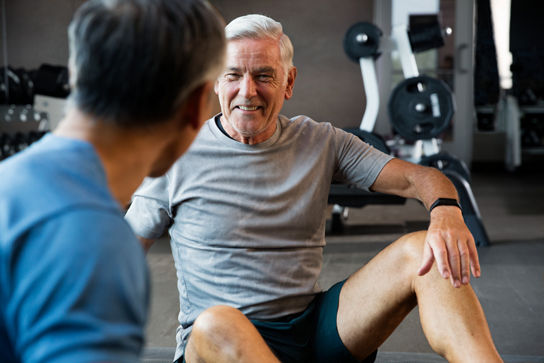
(256, 26)
(134, 62)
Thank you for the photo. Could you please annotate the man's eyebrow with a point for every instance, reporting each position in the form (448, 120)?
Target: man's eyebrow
(264, 70)
(233, 69)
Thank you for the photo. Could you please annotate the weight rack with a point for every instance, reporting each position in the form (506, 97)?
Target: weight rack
(20, 126)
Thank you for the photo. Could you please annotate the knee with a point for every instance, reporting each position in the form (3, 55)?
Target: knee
(410, 247)
(216, 321)
(215, 329)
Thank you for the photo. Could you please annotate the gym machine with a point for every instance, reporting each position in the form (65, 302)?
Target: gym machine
(420, 110)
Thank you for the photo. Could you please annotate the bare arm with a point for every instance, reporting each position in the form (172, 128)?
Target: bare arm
(448, 240)
(146, 243)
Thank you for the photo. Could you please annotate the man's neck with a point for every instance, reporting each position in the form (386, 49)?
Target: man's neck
(217, 120)
(124, 155)
(234, 134)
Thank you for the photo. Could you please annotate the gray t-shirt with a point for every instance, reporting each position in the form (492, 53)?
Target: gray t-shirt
(247, 222)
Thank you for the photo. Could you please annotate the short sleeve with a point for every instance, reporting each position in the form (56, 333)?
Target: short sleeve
(149, 214)
(358, 163)
(79, 290)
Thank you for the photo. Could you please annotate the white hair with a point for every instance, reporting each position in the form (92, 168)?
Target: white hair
(256, 26)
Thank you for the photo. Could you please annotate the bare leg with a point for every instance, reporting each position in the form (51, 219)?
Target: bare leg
(378, 297)
(223, 334)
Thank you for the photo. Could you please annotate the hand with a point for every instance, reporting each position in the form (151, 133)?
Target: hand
(451, 244)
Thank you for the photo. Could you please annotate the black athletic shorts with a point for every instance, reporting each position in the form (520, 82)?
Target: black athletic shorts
(310, 336)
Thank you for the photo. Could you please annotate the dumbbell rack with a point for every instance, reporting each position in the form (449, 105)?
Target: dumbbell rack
(20, 126)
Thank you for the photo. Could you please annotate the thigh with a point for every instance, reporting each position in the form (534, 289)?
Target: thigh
(327, 345)
(375, 299)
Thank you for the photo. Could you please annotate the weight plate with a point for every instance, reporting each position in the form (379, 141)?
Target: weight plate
(421, 108)
(425, 32)
(362, 40)
(371, 138)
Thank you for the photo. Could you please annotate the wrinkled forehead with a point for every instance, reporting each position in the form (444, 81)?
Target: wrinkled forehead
(253, 53)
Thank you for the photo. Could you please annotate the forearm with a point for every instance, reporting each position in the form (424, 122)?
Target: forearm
(428, 184)
(414, 181)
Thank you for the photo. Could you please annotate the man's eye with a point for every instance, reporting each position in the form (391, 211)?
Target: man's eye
(264, 77)
(232, 76)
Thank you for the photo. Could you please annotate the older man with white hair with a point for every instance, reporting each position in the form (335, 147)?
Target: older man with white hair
(246, 211)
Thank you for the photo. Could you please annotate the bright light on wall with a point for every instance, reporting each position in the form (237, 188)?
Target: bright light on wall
(403, 8)
(500, 13)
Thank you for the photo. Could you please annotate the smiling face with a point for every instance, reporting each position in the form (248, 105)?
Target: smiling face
(252, 89)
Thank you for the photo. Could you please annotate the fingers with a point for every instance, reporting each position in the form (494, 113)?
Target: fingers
(474, 260)
(427, 261)
(441, 256)
(455, 262)
(468, 257)
(464, 257)
(455, 258)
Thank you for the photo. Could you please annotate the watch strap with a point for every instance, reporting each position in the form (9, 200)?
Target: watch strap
(444, 201)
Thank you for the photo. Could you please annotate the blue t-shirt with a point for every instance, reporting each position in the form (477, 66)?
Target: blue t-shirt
(74, 283)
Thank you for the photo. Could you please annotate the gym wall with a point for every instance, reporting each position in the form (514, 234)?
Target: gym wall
(328, 86)
(37, 32)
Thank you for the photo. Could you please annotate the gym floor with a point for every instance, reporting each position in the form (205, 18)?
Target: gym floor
(511, 288)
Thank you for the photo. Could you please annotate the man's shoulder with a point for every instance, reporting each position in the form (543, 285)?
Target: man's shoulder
(39, 183)
(306, 121)
(305, 126)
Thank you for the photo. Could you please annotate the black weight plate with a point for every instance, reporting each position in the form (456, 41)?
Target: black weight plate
(371, 138)
(354, 45)
(421, 108)
(425, 32)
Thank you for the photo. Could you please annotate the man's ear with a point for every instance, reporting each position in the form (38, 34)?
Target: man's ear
(197, 106)
(290, 82)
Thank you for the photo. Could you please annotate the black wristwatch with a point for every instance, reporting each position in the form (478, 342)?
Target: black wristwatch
(444, 201)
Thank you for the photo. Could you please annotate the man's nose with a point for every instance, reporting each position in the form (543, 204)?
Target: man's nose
(247, 87)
